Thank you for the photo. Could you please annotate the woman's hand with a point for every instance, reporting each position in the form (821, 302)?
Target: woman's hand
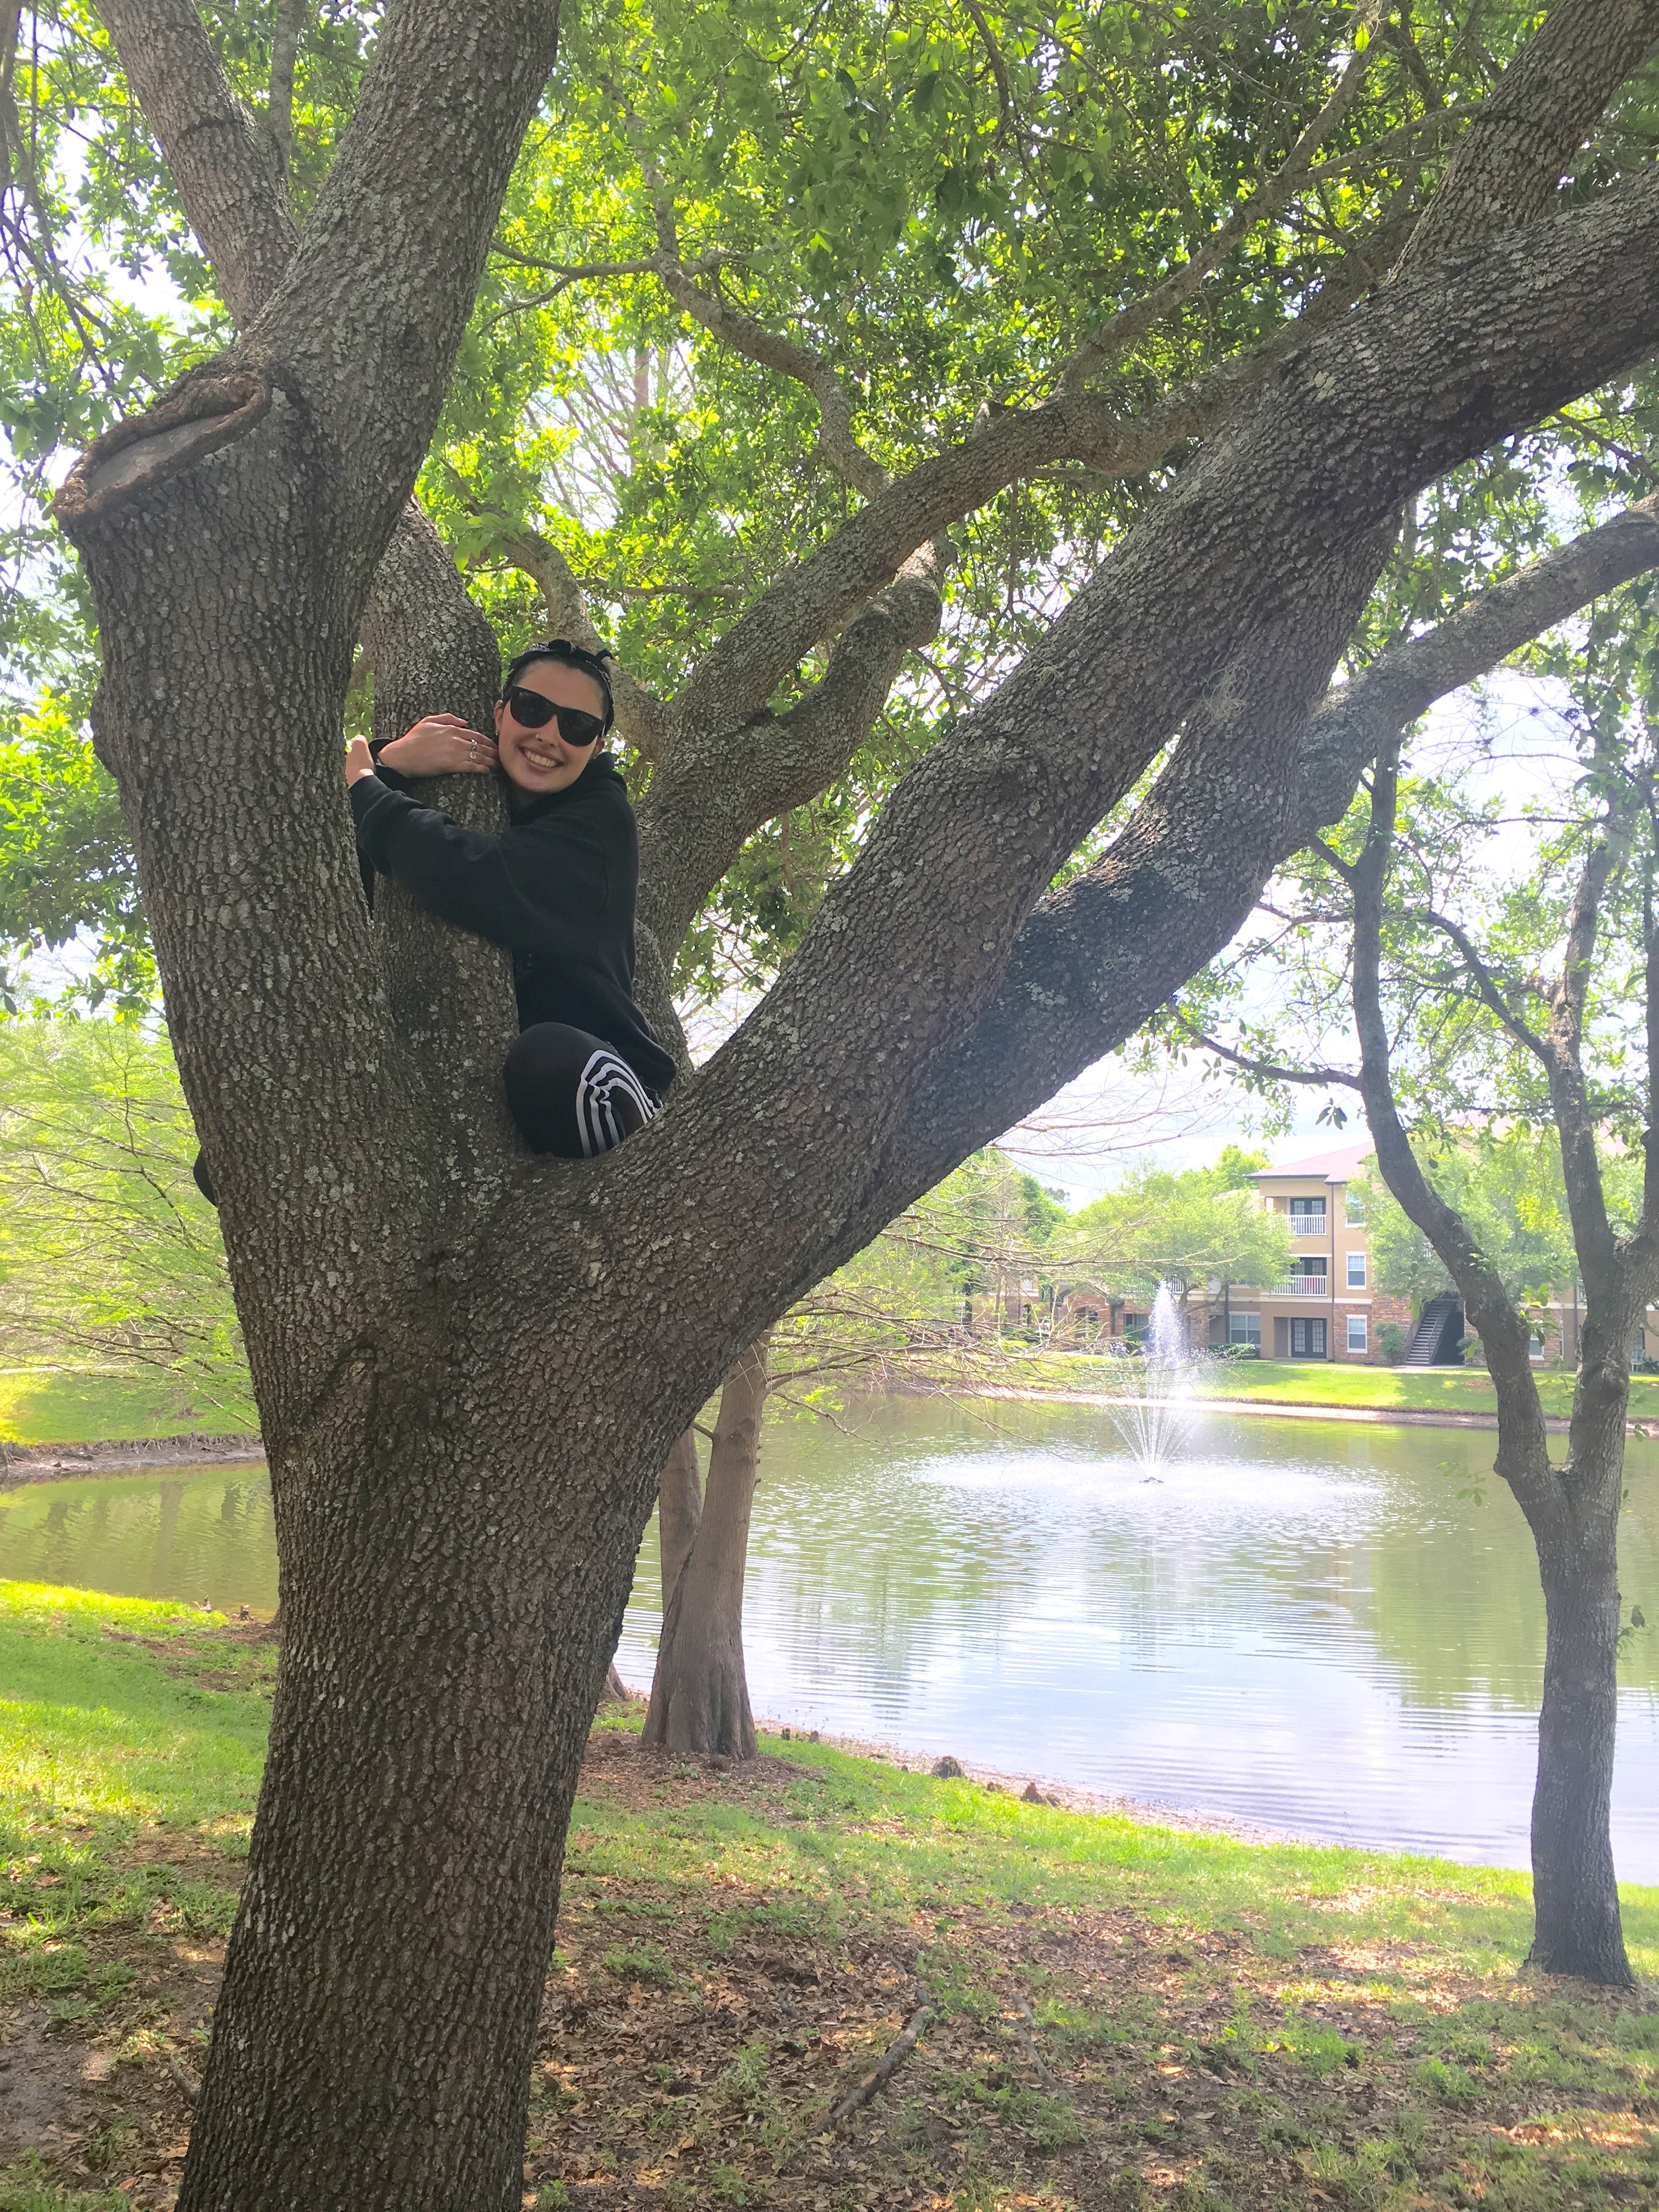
(441, 745)
(359, 760)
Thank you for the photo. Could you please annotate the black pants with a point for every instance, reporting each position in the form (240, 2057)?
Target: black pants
(570, 1092)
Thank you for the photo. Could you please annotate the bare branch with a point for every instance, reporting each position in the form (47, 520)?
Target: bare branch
(1120, 331)
(1318, 1078)
(1487, 983)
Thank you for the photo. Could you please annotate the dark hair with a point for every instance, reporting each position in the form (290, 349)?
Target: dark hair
(568, 656)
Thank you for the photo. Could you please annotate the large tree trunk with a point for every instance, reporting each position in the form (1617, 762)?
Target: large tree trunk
(700, 1691)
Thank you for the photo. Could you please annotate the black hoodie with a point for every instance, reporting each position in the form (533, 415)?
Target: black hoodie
(557, 886)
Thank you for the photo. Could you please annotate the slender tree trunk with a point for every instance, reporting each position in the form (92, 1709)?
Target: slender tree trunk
(700, 1693)
(679, 1512)
(1575, 1892)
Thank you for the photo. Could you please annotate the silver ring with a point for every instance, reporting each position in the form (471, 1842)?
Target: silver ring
(473, 750)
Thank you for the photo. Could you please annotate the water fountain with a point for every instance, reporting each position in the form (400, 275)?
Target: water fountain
(1154, 1399)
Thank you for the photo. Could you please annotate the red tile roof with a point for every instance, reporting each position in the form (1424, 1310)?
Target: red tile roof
(1336, 1166)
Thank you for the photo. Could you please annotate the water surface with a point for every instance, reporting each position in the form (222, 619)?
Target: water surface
(1308, 1625)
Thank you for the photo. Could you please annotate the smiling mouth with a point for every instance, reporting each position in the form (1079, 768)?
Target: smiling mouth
(537, 758)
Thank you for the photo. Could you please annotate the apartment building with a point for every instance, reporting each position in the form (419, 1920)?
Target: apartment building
(1327, 1306)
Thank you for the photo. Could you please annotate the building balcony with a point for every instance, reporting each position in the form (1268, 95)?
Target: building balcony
(1307, 1225)
(1303, 1286)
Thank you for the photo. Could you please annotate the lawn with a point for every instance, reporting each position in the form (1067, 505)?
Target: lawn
(1115, 2015)
(94, 1405)
(1321, 1382)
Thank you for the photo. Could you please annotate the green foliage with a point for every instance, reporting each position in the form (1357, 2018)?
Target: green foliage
(943, 206)
(1181, 1229)
(1506, 1183)
(66, 869)
(107, 1247)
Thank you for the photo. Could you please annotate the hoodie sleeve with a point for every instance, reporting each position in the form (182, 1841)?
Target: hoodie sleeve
(463, 875)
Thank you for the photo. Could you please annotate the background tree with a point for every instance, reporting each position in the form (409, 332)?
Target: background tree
(107, 1250)
(473, 1365)
(1181, 1229)
(1487, 1002)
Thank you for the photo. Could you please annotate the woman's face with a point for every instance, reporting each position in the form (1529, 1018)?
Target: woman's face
(539, 761)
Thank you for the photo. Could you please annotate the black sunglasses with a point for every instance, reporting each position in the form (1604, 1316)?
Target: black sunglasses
(532, 709)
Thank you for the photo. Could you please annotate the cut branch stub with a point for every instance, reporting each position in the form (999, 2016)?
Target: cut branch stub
(206, 411)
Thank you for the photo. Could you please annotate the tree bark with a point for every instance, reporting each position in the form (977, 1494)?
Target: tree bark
(700, 1691)
(679, 1512)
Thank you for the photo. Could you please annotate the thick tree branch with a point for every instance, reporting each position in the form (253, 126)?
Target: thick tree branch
(1358, 719)
(1097, 957)
(225, 168)
(711, 795)
(1509, 162)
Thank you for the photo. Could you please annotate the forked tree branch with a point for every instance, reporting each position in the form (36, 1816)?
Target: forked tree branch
(712, 793)
(223, 166)
(1510, 163)
(1098, 957)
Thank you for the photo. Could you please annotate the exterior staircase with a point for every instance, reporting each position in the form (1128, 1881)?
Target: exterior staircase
(1438, 1334)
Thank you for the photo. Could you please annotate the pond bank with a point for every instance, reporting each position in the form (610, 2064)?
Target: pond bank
(1121, 2014)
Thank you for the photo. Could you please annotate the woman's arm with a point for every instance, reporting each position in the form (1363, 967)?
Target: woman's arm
(460, 874)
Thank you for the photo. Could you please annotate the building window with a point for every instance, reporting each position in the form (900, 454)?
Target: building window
(1315, 1264)
(1357, 1333)
(1307, 1339)
(1307, 1217)
(1244, 1329)
(1356, 1271)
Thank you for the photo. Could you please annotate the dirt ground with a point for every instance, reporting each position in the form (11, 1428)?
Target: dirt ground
(697, 2037)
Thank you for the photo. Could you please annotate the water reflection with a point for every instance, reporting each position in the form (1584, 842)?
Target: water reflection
(1302, 1624)
(206, 1536)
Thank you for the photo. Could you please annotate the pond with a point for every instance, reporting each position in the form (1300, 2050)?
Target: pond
(1331, 1630)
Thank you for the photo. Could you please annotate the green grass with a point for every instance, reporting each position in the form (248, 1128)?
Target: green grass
(1320, 1382)
(93, 1405)
(1267, 2028)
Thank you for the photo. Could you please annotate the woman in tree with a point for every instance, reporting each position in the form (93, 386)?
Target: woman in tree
(558, 887)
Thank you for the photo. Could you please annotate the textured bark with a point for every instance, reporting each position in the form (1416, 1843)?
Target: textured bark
(1573, 1511)
(700, 1690)
(1522, 139)
(679, 1510)
(472, 1367)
